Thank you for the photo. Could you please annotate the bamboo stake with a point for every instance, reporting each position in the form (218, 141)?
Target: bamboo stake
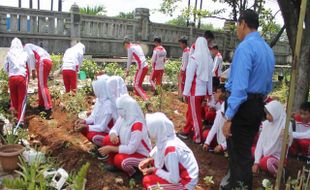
(295, 64)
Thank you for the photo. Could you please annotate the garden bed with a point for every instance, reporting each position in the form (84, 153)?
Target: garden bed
(71, 149)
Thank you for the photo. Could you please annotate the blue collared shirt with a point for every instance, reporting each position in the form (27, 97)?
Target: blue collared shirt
(251, 71)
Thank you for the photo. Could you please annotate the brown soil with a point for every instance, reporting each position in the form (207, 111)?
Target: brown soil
(71, 150)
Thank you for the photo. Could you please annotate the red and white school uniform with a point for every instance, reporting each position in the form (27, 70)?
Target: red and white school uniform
(101, 119)
(43, 65)
(217, 65)
(211, 108)
(15, 66)
(176, 165)
(216, 129)
(135, 144)
(72, 61)
(158, 63)
(185, 58)
(301, 135)
(135, 53)
(197, 85)
(269, 145)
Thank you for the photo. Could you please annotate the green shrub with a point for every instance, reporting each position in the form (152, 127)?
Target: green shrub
(172, 69)
(90, 67)
(57, 62)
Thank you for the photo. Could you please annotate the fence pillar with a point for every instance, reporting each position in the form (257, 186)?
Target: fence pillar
(142, 30)
(75, 24)
(192, 33)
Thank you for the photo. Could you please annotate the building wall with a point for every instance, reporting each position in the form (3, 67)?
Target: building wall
(102, 35)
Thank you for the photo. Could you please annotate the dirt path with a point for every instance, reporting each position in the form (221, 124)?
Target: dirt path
(71, 149)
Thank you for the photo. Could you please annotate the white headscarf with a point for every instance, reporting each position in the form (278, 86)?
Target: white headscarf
(161, 129)
(271, 131)
(100, 89)
(80, 48)
(129, 110)
(203, 59)
(16, 54)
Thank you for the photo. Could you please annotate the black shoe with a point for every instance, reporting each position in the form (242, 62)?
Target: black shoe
(41, 108)
(48, 113)
(138, 176)
(183, 136)
(110, 168)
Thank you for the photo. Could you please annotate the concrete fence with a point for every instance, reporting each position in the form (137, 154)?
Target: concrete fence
(102, 35)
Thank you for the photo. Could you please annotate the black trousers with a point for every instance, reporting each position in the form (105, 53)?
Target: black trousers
(245, 125)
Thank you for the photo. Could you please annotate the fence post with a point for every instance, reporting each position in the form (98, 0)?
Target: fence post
(142, 30)
(75, 24)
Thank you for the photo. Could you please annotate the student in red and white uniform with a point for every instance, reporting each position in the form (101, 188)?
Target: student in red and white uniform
(72, 61)
(185, 58)
(301, 134)
(269, 145)
(197, 86)
(98, 124)
(128, 142)
(172, 165)
(43, 64)
(209, 37)
(214, 104)
(217, 143)
(15, 66)
(217, 65)
(158, 64)
(135, 53)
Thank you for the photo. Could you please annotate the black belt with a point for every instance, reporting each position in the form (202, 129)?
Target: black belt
(250, 95)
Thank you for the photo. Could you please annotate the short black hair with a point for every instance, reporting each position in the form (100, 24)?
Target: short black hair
(183, 40)
(305, 106)
(157, 39)
(250, 17)
(126, 41)
(215, 47)
(209, 35)
(221, 87)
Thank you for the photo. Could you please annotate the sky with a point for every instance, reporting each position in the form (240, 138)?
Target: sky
(113, 7)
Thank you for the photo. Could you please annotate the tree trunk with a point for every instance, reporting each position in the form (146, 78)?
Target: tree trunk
(59, 5)
(38, 4)
(20, 3)
(290, 13)
(30, 4)
(195, 11)
(52, 3)
(199, 19)
(189, 6)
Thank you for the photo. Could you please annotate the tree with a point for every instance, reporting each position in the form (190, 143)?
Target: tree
(30, 4)
(290, 12)
(38, 4)
(96, 10)
(129, 15)
(19, 3)
(59, 5)
(52, 4)
(179, 21)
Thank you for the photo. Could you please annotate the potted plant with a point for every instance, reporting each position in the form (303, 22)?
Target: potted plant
(11, 150)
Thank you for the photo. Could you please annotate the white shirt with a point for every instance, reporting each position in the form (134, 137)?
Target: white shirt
(16, 69)
(72, 60)
(302, 130)
(185, 57)
(132, 138)
(193, 85)
(214, 104)
(135, 53)
(217, 129)
(178, 163)
(100, 117)
(217, 65)
(158, 58)
(36, 54)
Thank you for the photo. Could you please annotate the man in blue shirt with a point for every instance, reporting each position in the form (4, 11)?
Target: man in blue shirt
(249, 82)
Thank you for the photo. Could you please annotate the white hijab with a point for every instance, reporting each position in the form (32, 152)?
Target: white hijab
(80, 48)
(16, 54)
(100, 89)
(203, 59)
(271, 131)
(162, 130)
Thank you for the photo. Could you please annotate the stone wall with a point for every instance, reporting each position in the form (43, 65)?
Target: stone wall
(103, 35)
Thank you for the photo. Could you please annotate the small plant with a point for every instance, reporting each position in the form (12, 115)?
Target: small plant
(208, 180)
(242, 186)
(266, 183)
(79, 181)
(132, 184)
(13, 138)
(90, 68)
(172, 69)
(42, 114)
(31, 176)
(74, 104)
(57, 62)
